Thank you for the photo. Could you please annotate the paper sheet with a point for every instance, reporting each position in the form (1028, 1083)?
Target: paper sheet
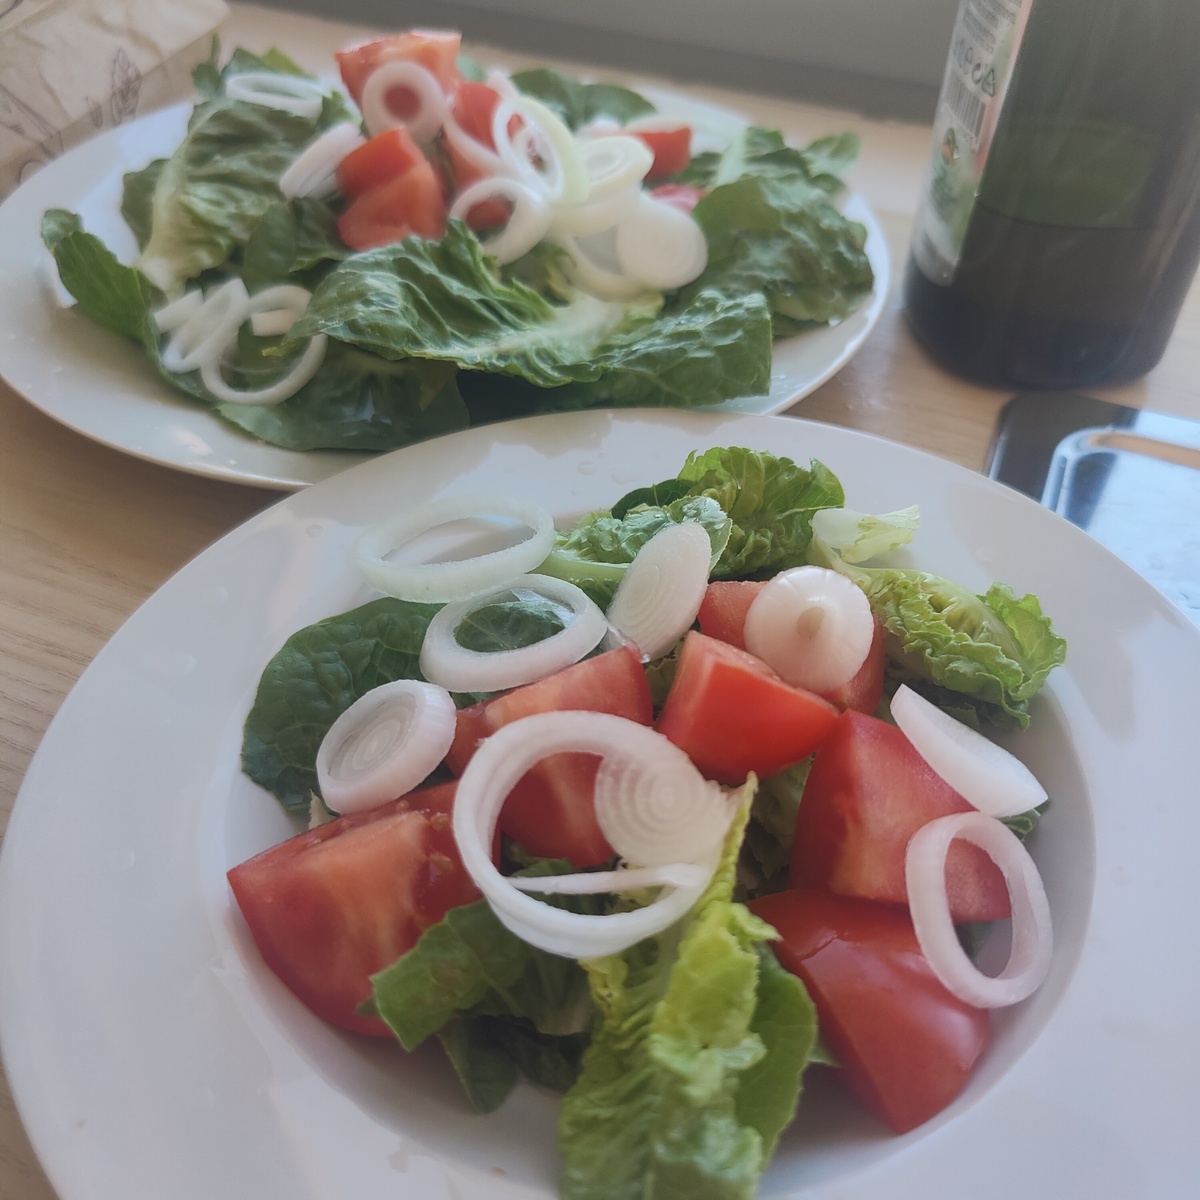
(70, 68)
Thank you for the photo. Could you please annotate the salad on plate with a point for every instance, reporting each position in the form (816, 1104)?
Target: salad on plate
(425, 245)
(659, 808)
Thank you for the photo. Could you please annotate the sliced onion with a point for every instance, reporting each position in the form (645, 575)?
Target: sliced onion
(1032, 939)
(274, 322)
(282, 296)
(661, 245)
(432, 105)
(984, 774)
(540, 134)
(179, 311)
(385, 744)
(660, 594)
(437, 582)
(656, 812)
(614, 164)
(203, 336)
(494, 769)
(273, 89)
(527, 223)
(812, 626)
(313, 171)
(475, 152)
(445, 661)
(629, 879)
(593, 216)
(589, 275)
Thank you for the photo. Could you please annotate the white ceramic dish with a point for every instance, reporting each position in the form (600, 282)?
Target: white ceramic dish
(152, 1055)
(104, 388)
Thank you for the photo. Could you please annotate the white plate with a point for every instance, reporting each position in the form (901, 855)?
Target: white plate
(105, 388)
(152, 1055)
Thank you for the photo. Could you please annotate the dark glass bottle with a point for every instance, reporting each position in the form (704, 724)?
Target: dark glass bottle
(1060, 231)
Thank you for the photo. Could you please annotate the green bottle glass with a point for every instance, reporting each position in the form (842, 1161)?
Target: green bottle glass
(1060, 229)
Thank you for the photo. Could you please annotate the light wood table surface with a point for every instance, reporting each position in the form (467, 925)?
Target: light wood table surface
(88, 533)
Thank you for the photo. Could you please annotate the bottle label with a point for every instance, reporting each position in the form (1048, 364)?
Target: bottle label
(987, 37)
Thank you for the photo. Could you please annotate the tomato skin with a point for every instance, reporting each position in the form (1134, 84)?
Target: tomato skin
(868, 792)
(550, 811)
(723, 610)
(385, 157)
(474, 107)
(672, 150)
(732, 714)
(410, 203)
(434, 49)
(331, 906)
(906, 1044)
(865, 690)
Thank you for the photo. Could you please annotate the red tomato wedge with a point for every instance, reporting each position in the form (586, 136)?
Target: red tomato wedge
(331, 906)
(473, 108)
(410, 203)
(434, 49)
(732, 714)
(385, 157)
(868, 792)
(907, 1046)
(672, 150)
(723, 615)
(550, 812)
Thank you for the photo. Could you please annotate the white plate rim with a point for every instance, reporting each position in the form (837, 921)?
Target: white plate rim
(1100, 1101)
(94, 383)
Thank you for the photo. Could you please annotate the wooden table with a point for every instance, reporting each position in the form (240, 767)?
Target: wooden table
(88, 533)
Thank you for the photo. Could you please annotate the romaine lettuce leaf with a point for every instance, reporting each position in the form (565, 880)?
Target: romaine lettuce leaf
(212, 192)
(981, 657)
(695, 1062)
(580, 103)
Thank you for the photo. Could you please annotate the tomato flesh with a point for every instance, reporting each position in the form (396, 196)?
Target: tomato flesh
(551, 810)
(672, 150)
(732, 714)
(434, 49)
(868, 792)
(410, 203)
(333, 905)
(907, 1045)
(383, 158)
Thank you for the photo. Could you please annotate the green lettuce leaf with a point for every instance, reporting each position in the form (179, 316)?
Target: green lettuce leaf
(212, 192)
(771, 502)
(981, 657)
(580, 103)
(596, 553)
(695, 1062)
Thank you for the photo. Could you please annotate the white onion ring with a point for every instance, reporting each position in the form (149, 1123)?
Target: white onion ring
(594, 216)
(984, 774)
(438, 582)
(654, 813)
(812, 626)
(432, 106)
(494, 769)
(458, 669)
(661, 245)
(613, 164)
(486, 161)
(543, 133)
(283, 296)
(628, 879)
(662, 589)
(208, 330)
(588, 275)
(179, 311)
(275, 322)
(385, 744)
(527, 223)
(925, 880)
(273, 89)
(314, 170)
